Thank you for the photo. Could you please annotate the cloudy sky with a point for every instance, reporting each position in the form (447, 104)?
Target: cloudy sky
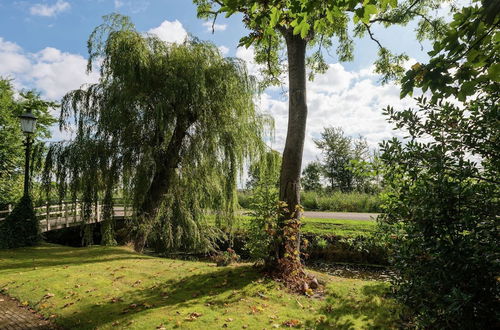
(43, 46)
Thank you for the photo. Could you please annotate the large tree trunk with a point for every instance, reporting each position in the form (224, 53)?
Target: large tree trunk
(165, 164)
(294, 145)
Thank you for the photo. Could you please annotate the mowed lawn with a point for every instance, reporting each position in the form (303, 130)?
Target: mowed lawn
(322, 226)
(114, 287)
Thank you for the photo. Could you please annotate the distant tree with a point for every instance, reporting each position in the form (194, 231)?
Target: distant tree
(170, 123)
(340, 153)
(368, 173)
(12, 138)
(442, 208)
(311, 176)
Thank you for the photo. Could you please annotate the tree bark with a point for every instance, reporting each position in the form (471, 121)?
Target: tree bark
(165, 163)
(297, 117)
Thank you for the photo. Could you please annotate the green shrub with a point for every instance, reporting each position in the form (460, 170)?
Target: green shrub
(21, 227)
(441, 214)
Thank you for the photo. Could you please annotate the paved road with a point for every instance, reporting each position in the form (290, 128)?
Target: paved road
(341, 215)
(337, 215)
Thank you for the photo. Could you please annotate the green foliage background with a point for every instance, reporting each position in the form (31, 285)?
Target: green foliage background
(442, 208)
(12, 139)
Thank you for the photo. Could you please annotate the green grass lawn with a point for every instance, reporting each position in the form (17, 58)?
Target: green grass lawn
(108, 287)
(320, 226)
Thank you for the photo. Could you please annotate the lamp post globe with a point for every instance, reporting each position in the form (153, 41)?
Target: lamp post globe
(28, 122)
(28, 125)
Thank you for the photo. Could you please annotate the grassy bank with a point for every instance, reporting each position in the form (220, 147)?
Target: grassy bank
(336, 201)
(321, 226)
(104, 287)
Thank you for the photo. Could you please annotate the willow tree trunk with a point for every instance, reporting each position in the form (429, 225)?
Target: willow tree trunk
(294, 145)
(165, 164)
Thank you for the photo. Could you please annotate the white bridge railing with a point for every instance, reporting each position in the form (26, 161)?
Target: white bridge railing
(69, 213)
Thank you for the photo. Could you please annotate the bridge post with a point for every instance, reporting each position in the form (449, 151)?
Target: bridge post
(47, 216)
(97, 212)
(9, 208)
(66, 214)
(75, 210)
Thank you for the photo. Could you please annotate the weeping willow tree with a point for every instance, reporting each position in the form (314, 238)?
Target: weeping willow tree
(170, 125)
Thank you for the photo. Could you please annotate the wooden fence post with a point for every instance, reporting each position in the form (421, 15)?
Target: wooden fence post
(47, 216)
(66, 214)
(9, 208)
(75, 210)
(97, 211)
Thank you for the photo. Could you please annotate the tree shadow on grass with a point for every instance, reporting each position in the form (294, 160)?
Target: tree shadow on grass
(371, 305)
(48, 255)
(214, 289)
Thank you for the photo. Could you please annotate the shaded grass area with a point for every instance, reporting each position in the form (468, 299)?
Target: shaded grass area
(114, 287)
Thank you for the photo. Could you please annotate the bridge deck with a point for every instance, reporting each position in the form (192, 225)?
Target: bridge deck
(67, 215)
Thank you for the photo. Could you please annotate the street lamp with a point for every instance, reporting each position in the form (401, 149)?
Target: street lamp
(28, 122)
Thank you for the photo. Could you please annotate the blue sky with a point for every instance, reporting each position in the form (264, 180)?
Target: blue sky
(43, 46)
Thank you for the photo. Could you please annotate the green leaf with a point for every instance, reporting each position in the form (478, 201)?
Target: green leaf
(494, 72)
(369, 10)
(298, 28)
(275, 15)
(305, 29)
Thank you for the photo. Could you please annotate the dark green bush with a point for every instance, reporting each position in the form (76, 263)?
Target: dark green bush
(441, 214)
(21, 227)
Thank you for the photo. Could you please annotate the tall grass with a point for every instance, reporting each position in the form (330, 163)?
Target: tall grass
(335, 201)
(341, 202)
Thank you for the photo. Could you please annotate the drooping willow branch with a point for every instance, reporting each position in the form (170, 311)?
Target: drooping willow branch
(168, 127)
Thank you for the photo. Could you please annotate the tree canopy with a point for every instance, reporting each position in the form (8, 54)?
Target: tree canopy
(12, 138)
(170, 124)
(322, 24)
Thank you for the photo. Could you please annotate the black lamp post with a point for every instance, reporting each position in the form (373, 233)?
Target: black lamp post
(28, 122)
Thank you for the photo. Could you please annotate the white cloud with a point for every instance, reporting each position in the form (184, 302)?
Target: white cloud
(56, 72)
(247, 55)
(352, 100)
(52, 72)
(224, 50)
(12, 61)
(46, 10)
(210, 27)
(170, 31)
